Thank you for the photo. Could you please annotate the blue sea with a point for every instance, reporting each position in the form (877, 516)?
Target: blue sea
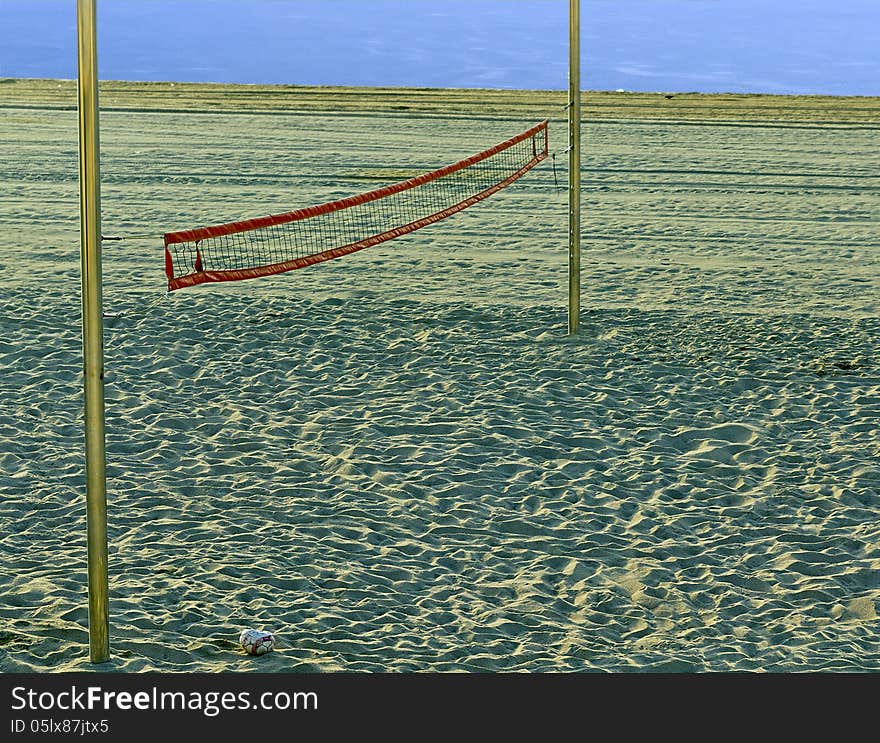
(742, 46)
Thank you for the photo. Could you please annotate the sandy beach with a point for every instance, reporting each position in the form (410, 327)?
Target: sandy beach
(398, 460)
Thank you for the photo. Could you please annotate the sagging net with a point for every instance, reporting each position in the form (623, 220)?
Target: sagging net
(283, 242)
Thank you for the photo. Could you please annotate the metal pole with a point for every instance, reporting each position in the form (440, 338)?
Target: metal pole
(574, 167)
(93, 331)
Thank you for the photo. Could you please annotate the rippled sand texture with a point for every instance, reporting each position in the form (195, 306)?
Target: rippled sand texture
(398, 460)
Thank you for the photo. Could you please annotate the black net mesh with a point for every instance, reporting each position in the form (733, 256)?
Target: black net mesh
(296, 240)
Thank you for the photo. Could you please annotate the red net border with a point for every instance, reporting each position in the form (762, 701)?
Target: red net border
(202, 233)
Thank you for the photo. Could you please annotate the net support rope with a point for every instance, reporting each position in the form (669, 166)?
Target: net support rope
(278, 243)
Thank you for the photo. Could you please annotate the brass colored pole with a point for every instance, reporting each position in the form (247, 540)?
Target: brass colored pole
(574, 167)
(93, 331)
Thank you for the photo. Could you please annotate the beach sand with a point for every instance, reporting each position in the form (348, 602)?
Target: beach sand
(398, 460)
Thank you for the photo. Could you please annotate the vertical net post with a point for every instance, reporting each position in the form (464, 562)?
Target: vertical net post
(574, 167)
(92, 323)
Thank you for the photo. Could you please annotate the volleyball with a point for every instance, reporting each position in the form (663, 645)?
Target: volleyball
(256, 642)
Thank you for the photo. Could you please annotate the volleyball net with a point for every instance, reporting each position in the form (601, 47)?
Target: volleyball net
(283, 242)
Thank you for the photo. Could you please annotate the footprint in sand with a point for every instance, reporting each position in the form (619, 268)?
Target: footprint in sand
(721, 442)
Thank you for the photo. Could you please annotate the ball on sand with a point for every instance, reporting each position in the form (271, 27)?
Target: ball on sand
(256, 642)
